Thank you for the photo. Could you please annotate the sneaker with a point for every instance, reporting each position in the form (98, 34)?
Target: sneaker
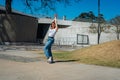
(50, 60)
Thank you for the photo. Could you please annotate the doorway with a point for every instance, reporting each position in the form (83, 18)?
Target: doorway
(41, 32)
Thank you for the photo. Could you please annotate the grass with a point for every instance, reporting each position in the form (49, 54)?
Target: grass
(105, 54)
(62, 55)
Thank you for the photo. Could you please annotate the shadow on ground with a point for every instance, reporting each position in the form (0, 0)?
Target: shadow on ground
(66, 60)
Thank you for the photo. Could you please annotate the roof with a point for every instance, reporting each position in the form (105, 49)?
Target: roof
(61, 23)
(2, 10)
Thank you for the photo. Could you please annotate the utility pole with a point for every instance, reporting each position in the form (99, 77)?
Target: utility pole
(99, 21)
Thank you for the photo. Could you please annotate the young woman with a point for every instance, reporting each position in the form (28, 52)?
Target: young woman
(51, 34)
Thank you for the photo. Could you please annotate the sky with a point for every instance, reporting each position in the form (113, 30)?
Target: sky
(109, 8)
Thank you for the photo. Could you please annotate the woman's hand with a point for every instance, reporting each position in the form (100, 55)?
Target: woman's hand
(55, 19)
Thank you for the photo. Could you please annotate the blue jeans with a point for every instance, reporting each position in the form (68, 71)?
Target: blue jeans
(47, 48)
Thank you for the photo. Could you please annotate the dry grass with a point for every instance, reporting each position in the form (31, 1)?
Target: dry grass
(107, 54)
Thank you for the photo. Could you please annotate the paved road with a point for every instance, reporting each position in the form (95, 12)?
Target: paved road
(30, 67)
(40, 70)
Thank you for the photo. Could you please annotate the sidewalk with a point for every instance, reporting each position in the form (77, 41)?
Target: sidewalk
(11, 70)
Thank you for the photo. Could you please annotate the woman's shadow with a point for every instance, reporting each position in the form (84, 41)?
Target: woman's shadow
(66, 60)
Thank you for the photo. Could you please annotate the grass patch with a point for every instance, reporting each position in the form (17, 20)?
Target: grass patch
(71, 57)
(62, 55)
(94, 61)
(68, 57)
(106, 54)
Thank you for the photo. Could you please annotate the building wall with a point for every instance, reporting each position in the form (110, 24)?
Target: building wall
(17, 28)
(68, 36)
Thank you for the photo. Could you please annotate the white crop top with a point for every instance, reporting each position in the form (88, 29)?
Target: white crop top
(52, 32)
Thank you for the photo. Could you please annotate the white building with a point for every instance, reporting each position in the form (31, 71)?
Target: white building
(78, 33)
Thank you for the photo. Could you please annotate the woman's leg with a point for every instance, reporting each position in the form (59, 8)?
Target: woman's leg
(46, 51)
(50, 60)
(47, 48)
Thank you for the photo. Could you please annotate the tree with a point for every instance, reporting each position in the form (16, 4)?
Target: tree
(31, 4)
(89, 17)
(85, 16)
(100, 18)
(8, 7)
(116, 22)
(92, 16)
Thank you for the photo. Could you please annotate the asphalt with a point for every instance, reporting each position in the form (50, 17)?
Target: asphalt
(21, 64)
(20, 56)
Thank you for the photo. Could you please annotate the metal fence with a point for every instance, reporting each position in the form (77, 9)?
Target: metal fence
(79, 39)
(65, 41)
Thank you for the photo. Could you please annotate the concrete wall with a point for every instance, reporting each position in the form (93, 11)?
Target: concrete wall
(17, 28)
(68, 36)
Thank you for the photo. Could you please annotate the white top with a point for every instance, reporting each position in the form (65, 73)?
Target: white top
(52, 32)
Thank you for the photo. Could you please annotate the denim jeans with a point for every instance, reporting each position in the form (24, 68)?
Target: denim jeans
(47, 48)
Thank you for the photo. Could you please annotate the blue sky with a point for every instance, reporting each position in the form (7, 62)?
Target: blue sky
(109, 8)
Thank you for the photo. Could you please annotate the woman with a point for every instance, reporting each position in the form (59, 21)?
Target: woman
(51, 34)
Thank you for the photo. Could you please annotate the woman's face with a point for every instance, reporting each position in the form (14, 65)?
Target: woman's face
(53, 25)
